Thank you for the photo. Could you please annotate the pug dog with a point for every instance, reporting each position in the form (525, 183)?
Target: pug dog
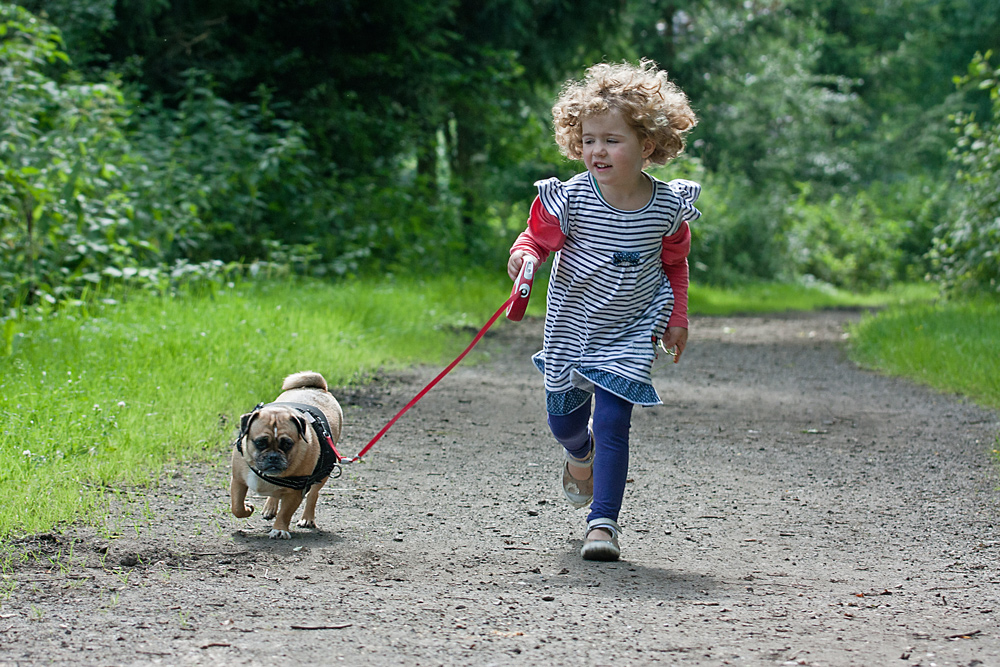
(285, 451)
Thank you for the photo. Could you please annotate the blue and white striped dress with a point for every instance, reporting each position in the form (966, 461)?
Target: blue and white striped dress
(607, 292)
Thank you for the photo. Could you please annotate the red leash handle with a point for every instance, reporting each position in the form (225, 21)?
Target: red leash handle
(482, 332)
(521, 291)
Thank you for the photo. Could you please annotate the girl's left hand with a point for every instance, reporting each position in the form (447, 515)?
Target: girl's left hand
(676, 338)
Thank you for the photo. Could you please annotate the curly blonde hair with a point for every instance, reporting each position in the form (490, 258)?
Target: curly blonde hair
(651, 105)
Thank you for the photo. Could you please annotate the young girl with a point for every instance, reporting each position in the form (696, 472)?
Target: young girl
(619, 279)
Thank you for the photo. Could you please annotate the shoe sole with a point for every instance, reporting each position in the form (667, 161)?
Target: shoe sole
(600, 550)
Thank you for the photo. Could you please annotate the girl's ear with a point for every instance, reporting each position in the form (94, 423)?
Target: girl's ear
(648, 146)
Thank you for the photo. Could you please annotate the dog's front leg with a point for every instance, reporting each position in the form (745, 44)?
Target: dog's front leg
(270, 508)
(290, 502)
(238, 496)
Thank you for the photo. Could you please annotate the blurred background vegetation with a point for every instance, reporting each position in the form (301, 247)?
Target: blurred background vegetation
(155, 142)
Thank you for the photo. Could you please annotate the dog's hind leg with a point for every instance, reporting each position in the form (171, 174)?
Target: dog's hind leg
(270, 508)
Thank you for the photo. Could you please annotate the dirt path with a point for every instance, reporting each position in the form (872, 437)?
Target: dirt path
(785, 508)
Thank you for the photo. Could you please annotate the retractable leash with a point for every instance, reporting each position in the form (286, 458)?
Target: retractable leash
(521, 291)
(514, 308)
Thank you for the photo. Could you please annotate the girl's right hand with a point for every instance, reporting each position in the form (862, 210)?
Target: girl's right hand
(515, 262)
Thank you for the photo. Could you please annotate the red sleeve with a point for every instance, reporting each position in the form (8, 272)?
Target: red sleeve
(674, 258)
(543, 235)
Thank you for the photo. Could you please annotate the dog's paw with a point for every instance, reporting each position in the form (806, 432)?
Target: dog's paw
(267, 514)
(279, 534)
(248, 508)
(304, 523)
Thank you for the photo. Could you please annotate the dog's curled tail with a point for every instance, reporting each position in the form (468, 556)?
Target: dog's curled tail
(304, 380)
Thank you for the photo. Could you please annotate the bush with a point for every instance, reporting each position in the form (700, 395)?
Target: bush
(219, 179)
(867, 240)
(967, 249)
(64, 213)
(91, 193)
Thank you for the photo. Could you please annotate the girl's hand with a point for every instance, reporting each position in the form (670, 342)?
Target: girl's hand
(515, 262)
(676, 338)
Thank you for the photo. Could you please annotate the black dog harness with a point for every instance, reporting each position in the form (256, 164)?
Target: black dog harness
(328, 461)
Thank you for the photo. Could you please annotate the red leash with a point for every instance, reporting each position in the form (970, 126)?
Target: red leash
(482, 332)
(514, 308)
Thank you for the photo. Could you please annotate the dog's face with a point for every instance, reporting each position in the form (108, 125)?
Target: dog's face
(275, 439)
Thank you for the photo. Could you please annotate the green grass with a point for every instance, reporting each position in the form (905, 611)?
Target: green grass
(90, 403)
(951, 346)
(777, 297)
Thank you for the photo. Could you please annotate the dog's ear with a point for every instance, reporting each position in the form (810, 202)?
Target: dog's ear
(300, 424)
(247, 419)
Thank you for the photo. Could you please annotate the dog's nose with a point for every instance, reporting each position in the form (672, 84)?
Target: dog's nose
(272, 461)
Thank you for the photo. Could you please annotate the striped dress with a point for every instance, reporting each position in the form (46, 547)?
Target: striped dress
(608, 294)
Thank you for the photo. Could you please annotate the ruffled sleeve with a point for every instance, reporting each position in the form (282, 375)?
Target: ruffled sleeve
(687, 193)
(552, 193)
(543, 234)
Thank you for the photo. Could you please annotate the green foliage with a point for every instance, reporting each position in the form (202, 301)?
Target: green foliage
(91, 193)
(220, 179)
(862, 241)
(770, 114)
(83, 24)
(968, 248)
(65, 215)
(335, 140)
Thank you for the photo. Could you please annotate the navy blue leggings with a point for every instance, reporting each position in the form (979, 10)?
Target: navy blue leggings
(612, 421)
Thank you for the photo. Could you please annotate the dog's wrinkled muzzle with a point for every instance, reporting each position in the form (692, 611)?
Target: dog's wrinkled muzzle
(271, 462)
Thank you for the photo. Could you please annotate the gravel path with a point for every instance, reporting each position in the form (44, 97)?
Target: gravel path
(783, 508)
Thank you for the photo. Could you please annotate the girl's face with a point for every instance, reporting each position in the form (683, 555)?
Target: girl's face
(612, 150)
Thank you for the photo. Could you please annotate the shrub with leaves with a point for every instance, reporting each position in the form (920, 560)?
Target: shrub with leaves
(91, 193)
(870, 239)
(65, 214)
(967, 249)
(231, 176)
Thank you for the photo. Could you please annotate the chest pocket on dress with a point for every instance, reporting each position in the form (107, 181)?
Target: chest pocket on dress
(622, 258)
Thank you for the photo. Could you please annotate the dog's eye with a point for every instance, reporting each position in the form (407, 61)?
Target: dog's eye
(260, 443)
(286, 444)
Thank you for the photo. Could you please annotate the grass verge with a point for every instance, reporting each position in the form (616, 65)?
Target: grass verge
(776, 297)
(951, 346)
